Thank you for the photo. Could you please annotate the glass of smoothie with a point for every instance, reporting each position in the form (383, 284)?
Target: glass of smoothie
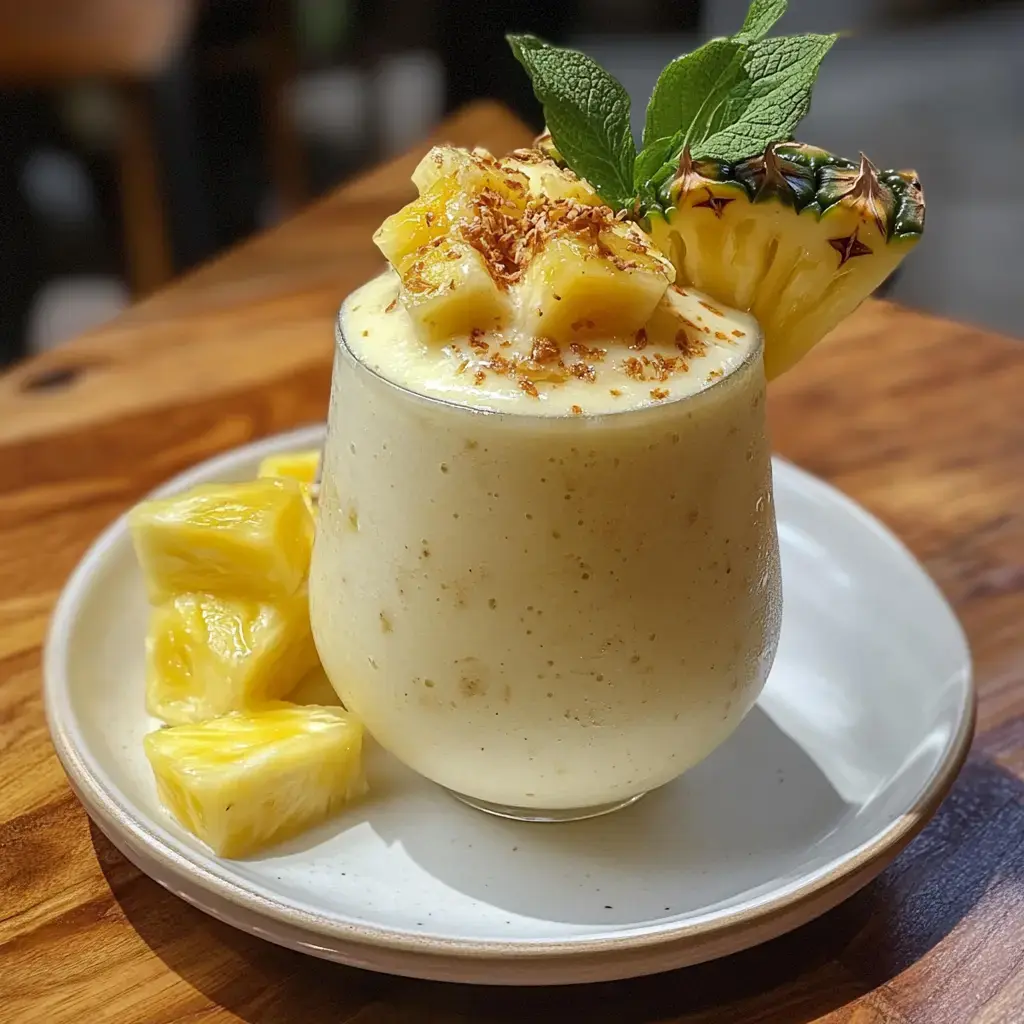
(546, 570)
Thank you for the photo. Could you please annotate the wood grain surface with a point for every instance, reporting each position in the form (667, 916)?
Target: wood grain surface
(919, 419)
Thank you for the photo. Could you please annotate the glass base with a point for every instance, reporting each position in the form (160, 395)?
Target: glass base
(536, 814)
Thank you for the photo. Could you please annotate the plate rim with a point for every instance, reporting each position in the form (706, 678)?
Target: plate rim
(826, 886)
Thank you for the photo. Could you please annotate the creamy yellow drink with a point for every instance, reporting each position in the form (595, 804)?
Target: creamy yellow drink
(546, 571)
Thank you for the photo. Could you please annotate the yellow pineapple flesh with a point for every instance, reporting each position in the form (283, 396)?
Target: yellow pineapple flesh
(468, 172)
(592, 284)
(418, 223)
(449, 181)
(250, 539)
(247, 780)
(549, 181)
(797, 236)
(207, 655)
(301, 466)
(518, 245)
(448, 291)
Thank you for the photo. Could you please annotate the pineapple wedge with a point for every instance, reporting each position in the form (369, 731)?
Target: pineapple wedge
(244, 781)
(250, 539)
(570, 292)
(449, 291)
(315, 688)
(206, 655)
(797, 236)
(301, 466)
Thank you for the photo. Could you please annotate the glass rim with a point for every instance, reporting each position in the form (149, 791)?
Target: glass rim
(343, 348)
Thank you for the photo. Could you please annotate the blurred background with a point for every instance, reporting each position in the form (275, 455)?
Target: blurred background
(140, 137)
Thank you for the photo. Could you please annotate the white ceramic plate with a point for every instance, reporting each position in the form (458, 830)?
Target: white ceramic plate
(864, 723)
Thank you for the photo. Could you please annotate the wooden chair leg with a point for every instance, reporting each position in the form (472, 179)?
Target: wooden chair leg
(146, 237)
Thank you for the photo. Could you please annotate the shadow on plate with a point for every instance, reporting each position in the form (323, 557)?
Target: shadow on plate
(754, 813)
(926, 898)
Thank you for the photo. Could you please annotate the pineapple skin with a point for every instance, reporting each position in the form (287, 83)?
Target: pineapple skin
(207, 656)
(250, 539)
(797, 236)
(243, 782)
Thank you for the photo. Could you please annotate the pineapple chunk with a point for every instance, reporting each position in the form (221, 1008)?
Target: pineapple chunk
(471, 172)
(244, 781)
(522, 243)
(548, 180)
(449, 181)
(440, 163)
(250, 539)
(417, 224)
(315, 688)
(569, 293)
(301, 466)
(448, 292)
(206, 656)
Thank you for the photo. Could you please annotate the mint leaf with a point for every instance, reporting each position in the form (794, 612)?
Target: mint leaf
(730, 99)
(769, 101)
(653, 157)
(587, 113)
(760, 18)
(690, 90)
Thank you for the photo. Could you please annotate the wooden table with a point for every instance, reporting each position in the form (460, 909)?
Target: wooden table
(918, 418)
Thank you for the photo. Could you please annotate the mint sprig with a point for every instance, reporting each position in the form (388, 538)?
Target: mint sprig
(768, 101)
(587, 113)
(731, 98)
(692, 90)
(760, 19)
(728, 100)
(690, 93)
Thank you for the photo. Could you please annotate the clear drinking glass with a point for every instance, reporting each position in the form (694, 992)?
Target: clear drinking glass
(548, 616)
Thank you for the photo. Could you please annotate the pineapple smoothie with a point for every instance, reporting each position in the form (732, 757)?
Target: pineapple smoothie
(546, 570)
